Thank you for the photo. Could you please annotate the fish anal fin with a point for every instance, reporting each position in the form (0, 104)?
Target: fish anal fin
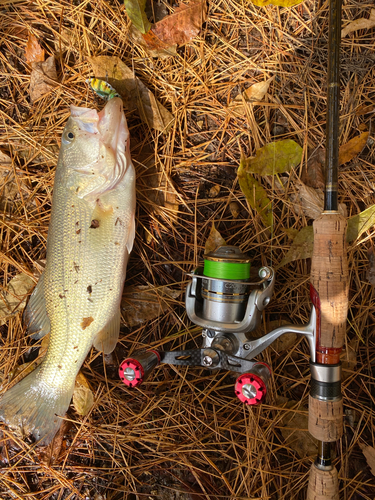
(107, 338)
(35, 315)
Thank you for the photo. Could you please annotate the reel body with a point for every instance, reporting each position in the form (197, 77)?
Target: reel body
(221, 299)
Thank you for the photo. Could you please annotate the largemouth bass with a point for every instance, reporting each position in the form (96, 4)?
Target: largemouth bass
(90, 236)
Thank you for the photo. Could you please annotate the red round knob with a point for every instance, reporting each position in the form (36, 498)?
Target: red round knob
(131, 372)
(250, 389)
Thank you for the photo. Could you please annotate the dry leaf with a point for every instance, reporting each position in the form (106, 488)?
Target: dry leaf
(33, 52)
(312, 173)
(43, 78)
(162, 53)
(214, 191)
(50, 455)
(349, 358)
(13, 299)
(159, 191)
(280, 3)
(144, 303)
(352, 148)
(214, 240)
(135, 94)
(364, 110)
(234, 209)
(369, 454)
(83, 398)
(370, 275)
(178, 28)
(301, 247)
(255, 93)
(295, 431)
(359, 24)
(311, 201)
(135, 9)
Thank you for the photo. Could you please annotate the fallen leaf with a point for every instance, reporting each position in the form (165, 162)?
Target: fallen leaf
(370, 275)
(280, 3)
(178, 28)
(294, 429)
(274, 158)
(43, 78)
(352, 148)
(364, 110)
(161, 52)
(135, 94)
(311, 201)
(312, 173)
(33, 52)
(51, 454)
(234, 209)
(358, 224)
(255, 93)
(145, 302)
(301, 247)
(135, 9)
(214, 191)
(214, 240)
(349, 358)
(359, 24)
(13, 298)
(83, 398)
(158, 190)
(369, 454)
(255, 194)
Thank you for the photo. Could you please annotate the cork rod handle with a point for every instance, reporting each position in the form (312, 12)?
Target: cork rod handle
(323, 485)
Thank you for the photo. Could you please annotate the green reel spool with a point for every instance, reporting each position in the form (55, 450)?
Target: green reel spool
(227, 263)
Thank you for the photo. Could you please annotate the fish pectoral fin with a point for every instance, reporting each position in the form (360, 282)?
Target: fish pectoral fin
(35, 315)
(107, 338)
(131, 234)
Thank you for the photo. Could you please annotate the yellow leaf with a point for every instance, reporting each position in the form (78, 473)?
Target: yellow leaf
(135, 94)
(83, 398)
(280, 3)
(214, 240)
(274, 158)
(255, 93)
(359, 24)
(255, 194)
(352, 148)
(135, 9)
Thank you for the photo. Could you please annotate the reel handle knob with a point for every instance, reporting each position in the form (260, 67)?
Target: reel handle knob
(251, 387)
(133, 371)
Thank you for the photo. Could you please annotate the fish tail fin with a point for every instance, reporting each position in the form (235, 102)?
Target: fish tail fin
(34, 407)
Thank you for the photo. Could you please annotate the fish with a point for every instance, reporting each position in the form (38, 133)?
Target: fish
(77, 298)
(102, 88)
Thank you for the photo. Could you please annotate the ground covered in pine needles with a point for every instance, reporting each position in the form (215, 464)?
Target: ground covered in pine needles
(183, 434)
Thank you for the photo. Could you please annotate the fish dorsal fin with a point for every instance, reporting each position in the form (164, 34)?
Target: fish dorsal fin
(107, 338)
(35, 315)
(131, 234)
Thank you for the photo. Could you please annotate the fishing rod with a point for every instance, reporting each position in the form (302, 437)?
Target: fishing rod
(329, 292)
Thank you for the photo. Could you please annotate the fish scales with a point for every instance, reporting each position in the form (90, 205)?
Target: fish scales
(90, 237)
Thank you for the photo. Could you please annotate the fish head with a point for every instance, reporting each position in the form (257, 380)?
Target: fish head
(95, 149)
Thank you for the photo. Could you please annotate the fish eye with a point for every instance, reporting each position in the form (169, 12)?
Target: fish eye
(70, 135)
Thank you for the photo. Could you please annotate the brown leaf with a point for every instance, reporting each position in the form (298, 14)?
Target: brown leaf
(359, 24)
(178, 28)
(370, 275)
(214, 240)
(214, 191)
(135, 94)
(234, 209)
(352, 148)
(51, 454)
(295, 431)
(144, 303)
(369, 453)
(363, 110)
(153, 49)
(312, 173)
(33, 51)
(43, 78)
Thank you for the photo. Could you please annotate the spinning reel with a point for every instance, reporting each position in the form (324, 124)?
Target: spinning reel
(221, 299)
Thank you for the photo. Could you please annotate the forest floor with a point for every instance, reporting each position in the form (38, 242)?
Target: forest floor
(183, 434)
